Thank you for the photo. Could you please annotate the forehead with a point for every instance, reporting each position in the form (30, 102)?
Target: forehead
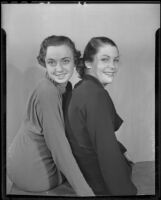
(59, 51)
(108, 50)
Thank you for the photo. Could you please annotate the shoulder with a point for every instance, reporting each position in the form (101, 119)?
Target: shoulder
(45, 90)
(46, 87)
(89, 89)
(89, 93)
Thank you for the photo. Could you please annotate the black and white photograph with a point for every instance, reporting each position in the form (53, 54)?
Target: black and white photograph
(80, 98)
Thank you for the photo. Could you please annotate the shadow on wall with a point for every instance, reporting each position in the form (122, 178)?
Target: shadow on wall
(19, 86)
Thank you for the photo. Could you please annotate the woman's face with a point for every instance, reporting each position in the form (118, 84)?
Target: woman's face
(105, 64)
(59, 62)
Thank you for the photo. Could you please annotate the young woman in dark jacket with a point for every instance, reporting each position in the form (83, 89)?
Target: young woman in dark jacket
(91, 122)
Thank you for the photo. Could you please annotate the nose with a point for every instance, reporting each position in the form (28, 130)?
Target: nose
(59, 67)
(112, 65)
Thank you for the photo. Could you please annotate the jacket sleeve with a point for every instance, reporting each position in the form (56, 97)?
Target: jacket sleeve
(114, 168)
(53, 128)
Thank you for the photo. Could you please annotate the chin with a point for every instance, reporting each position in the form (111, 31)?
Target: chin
(61, 80)
(108, 81)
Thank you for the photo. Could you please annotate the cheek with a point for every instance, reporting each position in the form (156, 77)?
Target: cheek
(69, 68)
(49, 69)
(99, 68)
(71, 71)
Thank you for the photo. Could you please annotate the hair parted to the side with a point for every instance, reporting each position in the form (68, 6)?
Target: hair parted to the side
(91, 50)
(55, 40)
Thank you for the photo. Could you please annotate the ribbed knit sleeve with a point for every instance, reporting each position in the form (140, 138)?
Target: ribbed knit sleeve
(53, 129)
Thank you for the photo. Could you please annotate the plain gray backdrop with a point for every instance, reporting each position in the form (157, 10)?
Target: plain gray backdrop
(131, 26)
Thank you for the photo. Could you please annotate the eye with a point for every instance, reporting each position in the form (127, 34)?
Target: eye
(66, 61)
(105, 59)
(116, 60)
(51, 62)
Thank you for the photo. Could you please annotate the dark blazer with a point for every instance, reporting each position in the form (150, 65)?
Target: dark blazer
(91, 121)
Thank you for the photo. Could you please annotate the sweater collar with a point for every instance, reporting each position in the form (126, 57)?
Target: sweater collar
(93, 79)
(60, 86)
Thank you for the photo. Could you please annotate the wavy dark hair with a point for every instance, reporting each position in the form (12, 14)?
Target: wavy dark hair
(55, 40)
(91, 50)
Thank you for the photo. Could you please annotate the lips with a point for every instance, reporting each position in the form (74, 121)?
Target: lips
(109, 73)
(60, 75)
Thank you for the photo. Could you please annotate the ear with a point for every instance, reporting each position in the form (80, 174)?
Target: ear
(88, 64)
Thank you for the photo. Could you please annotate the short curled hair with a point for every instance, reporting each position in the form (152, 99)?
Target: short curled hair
(91, 50)
(55, 40)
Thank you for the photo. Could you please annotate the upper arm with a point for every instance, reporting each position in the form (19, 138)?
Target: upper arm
(54, 133)
(52, 116)
(99, 119)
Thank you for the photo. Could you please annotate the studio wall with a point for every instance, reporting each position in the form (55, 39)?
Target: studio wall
(131, 26)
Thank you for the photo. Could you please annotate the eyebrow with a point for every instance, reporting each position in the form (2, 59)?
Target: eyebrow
(50, 59)
(110, 56)
(61, 58)
(66, 58)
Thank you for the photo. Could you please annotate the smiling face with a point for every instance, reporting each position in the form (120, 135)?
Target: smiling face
(105, 64)
(59, 63)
